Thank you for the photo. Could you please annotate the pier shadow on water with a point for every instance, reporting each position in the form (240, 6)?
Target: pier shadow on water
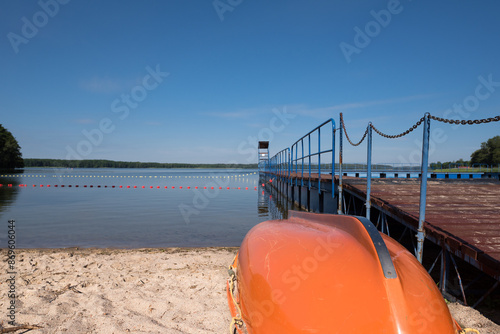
(272, 204)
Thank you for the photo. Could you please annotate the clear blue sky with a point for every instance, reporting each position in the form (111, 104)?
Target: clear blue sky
(74, 67)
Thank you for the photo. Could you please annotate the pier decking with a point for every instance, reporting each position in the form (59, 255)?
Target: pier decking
(463, 215)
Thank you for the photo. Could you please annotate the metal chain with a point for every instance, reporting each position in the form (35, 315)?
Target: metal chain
(401, 134)
(347, 136)
(466, 122)
(416, 125)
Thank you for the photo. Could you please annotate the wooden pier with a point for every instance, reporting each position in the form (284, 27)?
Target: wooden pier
(462, 216)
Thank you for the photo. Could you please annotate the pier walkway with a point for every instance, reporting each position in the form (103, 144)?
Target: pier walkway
(463, 216)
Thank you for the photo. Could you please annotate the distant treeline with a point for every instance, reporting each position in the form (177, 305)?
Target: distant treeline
(450, 164)
(123, 164)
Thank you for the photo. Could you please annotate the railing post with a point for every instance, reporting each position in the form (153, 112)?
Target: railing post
(333, 158)
(319, 160)
(302, 176)
(423, 188)
(369, 171)
(309, 154)
(289, 168)
(280, 166)
(340, 211)
(296, 165)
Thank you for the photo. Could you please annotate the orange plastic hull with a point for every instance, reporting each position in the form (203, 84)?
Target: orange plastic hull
(327, 274)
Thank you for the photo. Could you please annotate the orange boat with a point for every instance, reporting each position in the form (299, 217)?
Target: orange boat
(322, 273)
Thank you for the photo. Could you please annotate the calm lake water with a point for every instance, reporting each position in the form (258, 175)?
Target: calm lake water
(87, 207)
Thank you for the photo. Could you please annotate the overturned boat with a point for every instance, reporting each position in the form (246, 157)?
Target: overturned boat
(322, 273)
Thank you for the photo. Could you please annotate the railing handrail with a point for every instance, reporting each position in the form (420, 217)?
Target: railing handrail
(316, 128)
(310, 154)
(283, 161)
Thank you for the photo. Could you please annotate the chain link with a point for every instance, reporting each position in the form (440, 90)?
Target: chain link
(466, 122)
(416, 125)
(347, 136)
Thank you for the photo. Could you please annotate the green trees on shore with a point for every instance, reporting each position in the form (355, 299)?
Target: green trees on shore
(10, 151)
(123, 164)
(489, 153)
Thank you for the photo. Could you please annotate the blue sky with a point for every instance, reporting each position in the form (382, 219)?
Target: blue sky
(201, 81)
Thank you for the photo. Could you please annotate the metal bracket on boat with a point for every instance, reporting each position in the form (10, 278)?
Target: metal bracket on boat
(382, 251)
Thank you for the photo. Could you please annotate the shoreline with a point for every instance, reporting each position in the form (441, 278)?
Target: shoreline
(112, 249)
(146, 290)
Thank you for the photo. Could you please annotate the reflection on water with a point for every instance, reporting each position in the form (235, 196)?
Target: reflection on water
(8, 194)
(272, 204)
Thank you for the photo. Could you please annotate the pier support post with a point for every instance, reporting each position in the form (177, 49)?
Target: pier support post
(333, 160)
(340, 211)
(423, 188)
(369, 171)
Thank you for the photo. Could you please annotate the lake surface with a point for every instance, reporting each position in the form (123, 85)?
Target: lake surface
(131, 208)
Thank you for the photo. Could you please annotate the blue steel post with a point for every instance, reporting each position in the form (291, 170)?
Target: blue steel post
(289, 168)
(302, 176)
(423, 188)
(369, 171)
(340, 211)
(309, 155)
(319, 160)
(333, 158)
(296, 165)
(279, 168)
(285, 168)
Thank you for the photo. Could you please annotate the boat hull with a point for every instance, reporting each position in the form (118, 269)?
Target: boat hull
(319, 273)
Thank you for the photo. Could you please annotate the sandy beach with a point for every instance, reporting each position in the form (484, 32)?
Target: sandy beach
(174, 290)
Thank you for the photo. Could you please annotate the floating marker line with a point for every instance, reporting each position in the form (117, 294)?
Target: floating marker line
(132, 176)
(9, 185)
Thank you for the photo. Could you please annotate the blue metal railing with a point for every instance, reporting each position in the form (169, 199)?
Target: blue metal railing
(380, 167)
(263, 166)
(311, 153)
(391, 167)
(280, 164)
(285, 162)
